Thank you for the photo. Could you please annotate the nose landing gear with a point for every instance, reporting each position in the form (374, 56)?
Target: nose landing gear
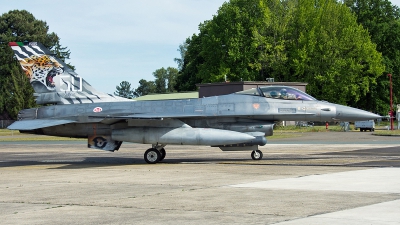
(256, 155)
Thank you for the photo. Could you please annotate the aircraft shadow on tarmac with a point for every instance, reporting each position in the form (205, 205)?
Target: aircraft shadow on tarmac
(388, 151)
(108, 162)
(380, 157)
(92, 162)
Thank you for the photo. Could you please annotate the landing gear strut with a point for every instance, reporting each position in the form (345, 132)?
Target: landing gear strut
(163, 154)
(256, 155)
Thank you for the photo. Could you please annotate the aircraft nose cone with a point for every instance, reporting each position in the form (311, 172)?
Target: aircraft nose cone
(346, 113)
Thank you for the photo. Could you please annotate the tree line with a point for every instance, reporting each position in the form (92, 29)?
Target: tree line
(165, 81)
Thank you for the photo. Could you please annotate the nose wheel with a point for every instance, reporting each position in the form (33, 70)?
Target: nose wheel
(256, 155)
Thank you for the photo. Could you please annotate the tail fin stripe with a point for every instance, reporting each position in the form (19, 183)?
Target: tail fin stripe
(11, 44)
(38, 50)
(32, 45)
(20, 54)
(90, 99)
(27, 51)
(32, 51)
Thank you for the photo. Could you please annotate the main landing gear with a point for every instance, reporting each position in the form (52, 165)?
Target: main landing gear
(256, 155)
(155, 154)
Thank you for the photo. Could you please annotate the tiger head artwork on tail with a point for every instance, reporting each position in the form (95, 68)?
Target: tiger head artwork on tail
(54, 81)
(42, 69)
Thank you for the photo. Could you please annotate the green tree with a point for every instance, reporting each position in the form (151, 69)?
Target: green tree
(182, 51)
(272, 39)
(381, 19)
(161, 80)
(124, 90)
(187, 77)
(145, 87)
(172, 74)
(332, 52)
(244, 41)
(228, 44)
(165, 79)
(16, 92)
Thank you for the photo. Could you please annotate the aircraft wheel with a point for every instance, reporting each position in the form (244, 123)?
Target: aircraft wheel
(163, 154)
(256, 155)
(152, 156)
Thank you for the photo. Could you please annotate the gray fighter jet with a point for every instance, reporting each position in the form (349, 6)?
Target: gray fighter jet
(233, 122)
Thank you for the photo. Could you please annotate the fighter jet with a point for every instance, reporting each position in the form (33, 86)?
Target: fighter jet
(234, 122)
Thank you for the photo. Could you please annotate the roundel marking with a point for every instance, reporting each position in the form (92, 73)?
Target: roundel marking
(97, 109)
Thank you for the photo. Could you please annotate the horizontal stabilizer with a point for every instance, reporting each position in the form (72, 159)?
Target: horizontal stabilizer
(37, 124)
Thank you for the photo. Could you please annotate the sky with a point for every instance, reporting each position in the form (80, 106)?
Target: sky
(120, 40)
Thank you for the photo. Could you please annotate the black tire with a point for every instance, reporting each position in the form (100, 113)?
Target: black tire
(152, 156)
(163, 154)
(256, 155)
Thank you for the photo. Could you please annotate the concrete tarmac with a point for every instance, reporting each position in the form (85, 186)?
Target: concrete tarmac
(314, 178)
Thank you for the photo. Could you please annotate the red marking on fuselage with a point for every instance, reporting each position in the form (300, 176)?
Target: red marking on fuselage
(97, 109)
(256, 105)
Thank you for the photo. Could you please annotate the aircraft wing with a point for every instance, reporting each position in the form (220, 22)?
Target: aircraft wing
(188, 115)
(37, 123)
(150, 116)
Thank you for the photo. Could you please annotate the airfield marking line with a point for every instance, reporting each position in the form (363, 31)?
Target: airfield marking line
(381, 213)
(381, 180)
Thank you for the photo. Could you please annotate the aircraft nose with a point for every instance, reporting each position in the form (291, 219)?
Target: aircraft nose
(345, 113)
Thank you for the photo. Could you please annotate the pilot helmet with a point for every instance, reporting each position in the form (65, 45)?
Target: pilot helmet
(283, 92)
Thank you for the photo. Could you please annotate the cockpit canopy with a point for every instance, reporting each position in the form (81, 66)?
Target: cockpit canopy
(278, 92)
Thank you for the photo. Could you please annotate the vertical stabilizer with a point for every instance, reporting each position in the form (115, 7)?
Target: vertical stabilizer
(53, 81)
